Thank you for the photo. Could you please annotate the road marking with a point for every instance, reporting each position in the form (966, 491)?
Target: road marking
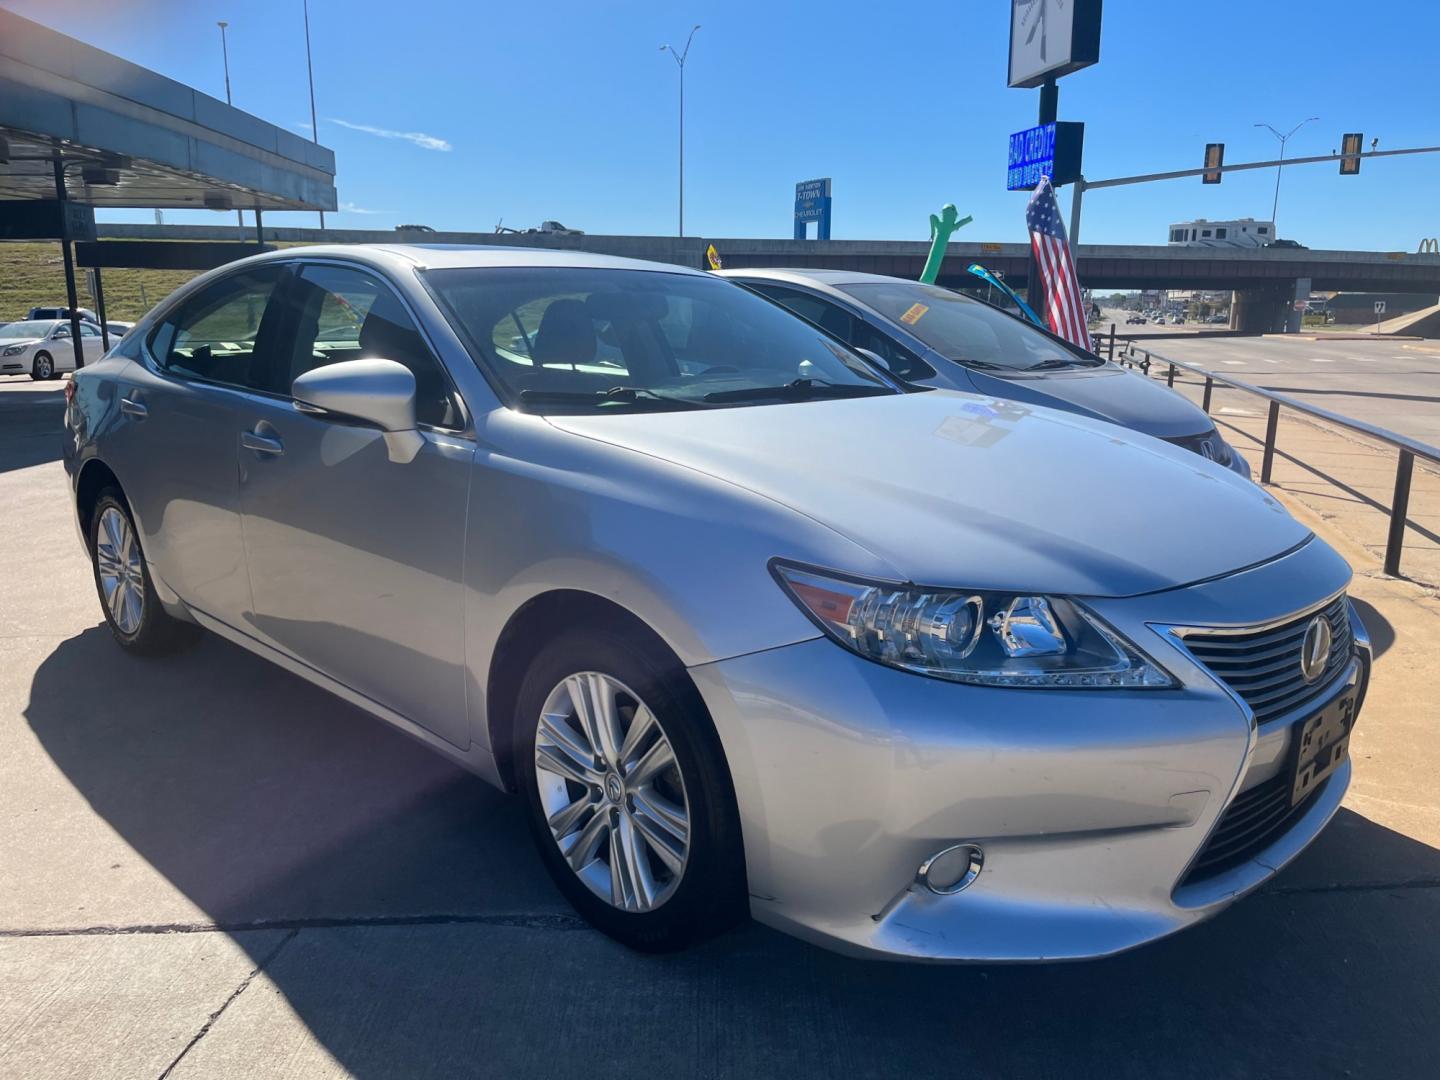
(1231, 411)
(1322, 359)
(1233, 363)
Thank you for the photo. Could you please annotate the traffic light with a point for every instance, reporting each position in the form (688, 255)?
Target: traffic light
(1350, 153)
(1214, 158)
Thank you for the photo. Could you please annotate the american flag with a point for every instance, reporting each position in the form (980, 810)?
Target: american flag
(1064, 305)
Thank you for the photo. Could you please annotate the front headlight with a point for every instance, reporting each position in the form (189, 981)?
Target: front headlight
(14, 350)
(985, 638)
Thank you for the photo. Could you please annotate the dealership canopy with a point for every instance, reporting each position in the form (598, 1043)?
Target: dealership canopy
(128, 137)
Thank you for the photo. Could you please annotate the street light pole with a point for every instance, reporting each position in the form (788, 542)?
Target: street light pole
(310, 70)
(225, 54)
(680, 61)
(1275, 207)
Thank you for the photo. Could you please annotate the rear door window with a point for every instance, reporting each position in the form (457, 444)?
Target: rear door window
(226, 333)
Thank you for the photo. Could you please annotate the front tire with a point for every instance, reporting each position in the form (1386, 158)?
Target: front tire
(626, 791)
(43, 368)
(122, 579)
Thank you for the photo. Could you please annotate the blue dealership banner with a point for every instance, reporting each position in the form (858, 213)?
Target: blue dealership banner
(1051, 150)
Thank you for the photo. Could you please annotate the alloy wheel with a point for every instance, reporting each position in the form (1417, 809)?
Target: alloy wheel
(612, 791)
(43, 367)
(122, 577)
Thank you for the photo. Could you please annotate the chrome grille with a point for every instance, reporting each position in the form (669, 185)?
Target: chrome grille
(1263, 665)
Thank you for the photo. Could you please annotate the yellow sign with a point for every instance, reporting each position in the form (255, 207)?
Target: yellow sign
(1429, 246)
(990, 249)
(913, 314)
(712, 257)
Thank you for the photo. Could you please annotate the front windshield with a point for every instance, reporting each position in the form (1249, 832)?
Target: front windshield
(26, 329)
(568, 339)
(965, 330)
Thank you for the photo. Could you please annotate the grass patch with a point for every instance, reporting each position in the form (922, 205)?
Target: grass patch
(33, 275)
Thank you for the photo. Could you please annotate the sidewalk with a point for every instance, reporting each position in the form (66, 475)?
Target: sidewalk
(1344, 479)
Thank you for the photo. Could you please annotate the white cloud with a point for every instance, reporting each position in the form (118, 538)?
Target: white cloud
(300, 125)
(351, 208)
(419, 138)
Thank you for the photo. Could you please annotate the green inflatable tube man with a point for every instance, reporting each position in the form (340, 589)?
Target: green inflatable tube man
(941, 229)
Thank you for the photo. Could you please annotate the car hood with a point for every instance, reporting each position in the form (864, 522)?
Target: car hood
(975, 492)
(1105, 393)
(6, 342)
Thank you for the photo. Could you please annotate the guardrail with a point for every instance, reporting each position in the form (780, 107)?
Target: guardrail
(1407, 449)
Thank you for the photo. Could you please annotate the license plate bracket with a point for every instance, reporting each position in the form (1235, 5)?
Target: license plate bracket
(1321, 742)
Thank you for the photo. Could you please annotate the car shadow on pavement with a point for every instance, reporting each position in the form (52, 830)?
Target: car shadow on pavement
(1382, 634)
(429, 942)
(31, 424)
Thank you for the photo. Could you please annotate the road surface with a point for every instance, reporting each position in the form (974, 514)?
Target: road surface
(1393, 384)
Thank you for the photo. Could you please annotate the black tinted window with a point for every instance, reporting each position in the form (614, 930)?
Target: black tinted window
(819, 311)
(963, 329)
(222, 334)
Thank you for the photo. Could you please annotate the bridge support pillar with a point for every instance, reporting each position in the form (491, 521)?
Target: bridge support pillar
(1294, 319)
(1261, 311)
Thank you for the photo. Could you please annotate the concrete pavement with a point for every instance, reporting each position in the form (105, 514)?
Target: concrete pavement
(209, 868)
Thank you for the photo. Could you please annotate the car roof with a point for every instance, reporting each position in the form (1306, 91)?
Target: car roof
(450, 256)
(818, 276)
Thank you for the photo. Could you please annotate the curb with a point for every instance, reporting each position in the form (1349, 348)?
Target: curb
(1343, 337)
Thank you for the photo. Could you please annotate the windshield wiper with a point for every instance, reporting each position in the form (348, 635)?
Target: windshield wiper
(1057, 362)
(626, 395)
(800, 390)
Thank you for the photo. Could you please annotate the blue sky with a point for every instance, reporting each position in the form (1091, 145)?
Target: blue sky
(567, 110)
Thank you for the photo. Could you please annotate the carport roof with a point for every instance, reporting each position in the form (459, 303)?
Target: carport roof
(130, 137)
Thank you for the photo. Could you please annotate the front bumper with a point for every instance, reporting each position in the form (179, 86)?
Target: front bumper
(1089, 805)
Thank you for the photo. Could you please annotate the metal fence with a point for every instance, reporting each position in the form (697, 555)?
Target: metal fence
(1407, 449)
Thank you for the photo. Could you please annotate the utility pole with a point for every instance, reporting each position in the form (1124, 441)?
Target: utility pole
(225, 54)
(680, 62)
(310, 70)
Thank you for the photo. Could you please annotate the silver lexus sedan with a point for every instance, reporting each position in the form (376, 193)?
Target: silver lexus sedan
(746, 625)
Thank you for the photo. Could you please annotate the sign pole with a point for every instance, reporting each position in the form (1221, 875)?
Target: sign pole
(1075, 214)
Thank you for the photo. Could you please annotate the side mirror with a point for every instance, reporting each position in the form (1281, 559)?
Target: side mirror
(380, 392)
(60, 332)
(874, 357)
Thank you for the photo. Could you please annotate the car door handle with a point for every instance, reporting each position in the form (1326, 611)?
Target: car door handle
(261, 444)
(130, 407)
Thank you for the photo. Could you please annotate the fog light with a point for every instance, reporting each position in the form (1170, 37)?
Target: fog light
(947, 872)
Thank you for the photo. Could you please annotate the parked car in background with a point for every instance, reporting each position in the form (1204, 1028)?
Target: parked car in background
(38, 313)
(43, 348)
(1135, 320)
(748, 624)
(937, 337)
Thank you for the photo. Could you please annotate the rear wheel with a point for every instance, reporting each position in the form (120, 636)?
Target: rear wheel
(627, 793)
(132, 609)
(43, 368)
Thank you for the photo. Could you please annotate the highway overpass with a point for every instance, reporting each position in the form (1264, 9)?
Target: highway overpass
(1267, 280)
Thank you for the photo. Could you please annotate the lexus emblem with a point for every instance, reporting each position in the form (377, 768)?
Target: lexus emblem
(1315, 650)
